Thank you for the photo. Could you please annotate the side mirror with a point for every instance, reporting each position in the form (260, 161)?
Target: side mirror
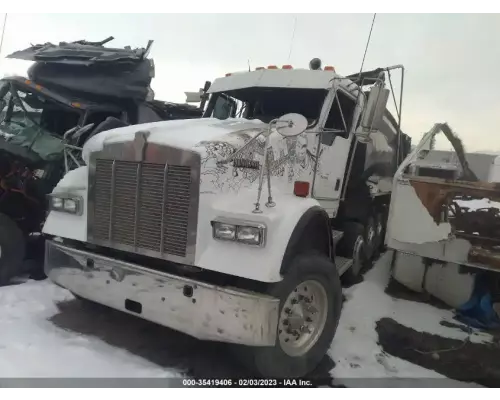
(290, 125)
(193, 97)
(375, 108)
(76, 132)
(70, 131)
(81, 131)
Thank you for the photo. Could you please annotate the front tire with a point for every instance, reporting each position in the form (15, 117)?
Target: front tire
(12, 249)
(310, 302)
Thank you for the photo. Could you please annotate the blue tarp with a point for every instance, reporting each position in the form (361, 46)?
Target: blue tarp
(478, 312)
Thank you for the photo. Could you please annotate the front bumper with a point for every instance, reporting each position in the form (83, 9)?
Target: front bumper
(202, 310)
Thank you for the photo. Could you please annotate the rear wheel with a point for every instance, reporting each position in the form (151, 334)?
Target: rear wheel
(353, 246)
(370, 237)
(310, 302)
(379, 234)
(12, 250)
(382, 223)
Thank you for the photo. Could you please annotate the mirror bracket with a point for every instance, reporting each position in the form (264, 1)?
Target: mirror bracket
(289, 125)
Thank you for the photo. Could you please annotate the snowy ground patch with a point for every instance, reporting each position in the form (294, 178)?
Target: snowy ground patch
(31, 346)
(355, 349)
(477, 204)
(45, 333)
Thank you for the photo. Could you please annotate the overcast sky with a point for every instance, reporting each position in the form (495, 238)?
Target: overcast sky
(452, 60)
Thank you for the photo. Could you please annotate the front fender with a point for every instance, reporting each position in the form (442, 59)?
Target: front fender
(257, 263)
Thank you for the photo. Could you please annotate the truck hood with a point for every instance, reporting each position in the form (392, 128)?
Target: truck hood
(184, 134)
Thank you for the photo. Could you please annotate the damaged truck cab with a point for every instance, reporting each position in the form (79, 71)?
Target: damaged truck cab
(237, 226)
(72, 91)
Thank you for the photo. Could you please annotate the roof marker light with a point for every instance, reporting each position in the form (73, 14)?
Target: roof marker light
(259, 68)
(228, 74)
(287, 66)
(272, 67)
(329, 68)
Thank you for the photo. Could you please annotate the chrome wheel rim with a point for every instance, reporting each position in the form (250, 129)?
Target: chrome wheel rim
(370, 237)
(378, 236)
(303, 318)
(379, 227)
(358, 255)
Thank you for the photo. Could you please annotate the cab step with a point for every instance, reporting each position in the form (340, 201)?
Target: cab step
(343, 264)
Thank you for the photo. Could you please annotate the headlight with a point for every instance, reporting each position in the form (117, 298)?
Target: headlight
(66, 203)
(224, 231)
(250, 233)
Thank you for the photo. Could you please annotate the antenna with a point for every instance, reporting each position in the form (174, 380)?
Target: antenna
(3, 31)
(359, 94)
(367, 44)
(293, 37)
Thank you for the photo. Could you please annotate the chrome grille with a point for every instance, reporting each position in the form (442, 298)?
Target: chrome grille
(142, 206)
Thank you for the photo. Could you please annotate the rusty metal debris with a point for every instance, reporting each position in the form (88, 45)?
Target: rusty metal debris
(435, 193)
(480, 227)
(484, 256)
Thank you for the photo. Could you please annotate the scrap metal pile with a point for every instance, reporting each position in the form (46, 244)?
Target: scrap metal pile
(470, 206)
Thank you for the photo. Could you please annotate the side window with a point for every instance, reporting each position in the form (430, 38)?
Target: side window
(224, 107)
(341, 114)
(146, 114)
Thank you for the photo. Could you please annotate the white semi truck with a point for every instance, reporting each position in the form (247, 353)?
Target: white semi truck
(166, 221)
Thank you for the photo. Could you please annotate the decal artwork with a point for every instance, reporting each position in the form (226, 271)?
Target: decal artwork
(289, 159)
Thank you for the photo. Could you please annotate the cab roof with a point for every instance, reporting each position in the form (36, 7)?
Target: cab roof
(282, 78)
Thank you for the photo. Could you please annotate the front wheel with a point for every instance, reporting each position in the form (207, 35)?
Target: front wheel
(310, 302)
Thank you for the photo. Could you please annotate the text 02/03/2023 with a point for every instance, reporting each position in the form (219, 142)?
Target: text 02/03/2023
(247, 382)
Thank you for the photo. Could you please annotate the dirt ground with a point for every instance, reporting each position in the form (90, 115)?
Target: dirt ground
(460, 360)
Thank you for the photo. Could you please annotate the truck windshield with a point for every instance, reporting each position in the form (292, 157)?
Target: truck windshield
(267, 104)
(25, 121)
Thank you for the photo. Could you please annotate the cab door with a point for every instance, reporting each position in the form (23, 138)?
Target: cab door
(334, 138)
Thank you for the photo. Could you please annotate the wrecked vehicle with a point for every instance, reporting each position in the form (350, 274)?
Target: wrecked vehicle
(444, 224)
(73, 91)
(171, 224)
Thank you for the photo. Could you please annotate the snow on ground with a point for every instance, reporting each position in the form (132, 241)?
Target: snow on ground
(31, 346)
(355, 349)
(476, 204)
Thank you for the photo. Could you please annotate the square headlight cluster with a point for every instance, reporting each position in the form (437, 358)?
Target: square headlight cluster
(253, 234)
(66, 203)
